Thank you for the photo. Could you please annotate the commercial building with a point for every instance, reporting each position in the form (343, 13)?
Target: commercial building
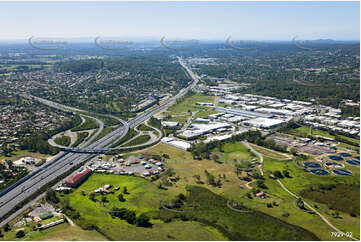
(196, 130)
(78, 178)
(244, 113)
(264, 123)
(176, 143)
(170, 124)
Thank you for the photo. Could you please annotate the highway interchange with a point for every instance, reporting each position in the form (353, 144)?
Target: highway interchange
(64, 161)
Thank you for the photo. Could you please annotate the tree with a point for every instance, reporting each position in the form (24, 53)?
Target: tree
(121, 198)
(125, 190)
(286, 174)
(7, 227)
(51, 196)
(143, 221)
(293, 151)
(277, 174)
(261, 184)
(92, 197)
(130, 216)
(20, 234)
(300, 203)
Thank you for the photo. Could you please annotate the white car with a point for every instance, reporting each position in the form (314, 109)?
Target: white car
(148, 166)
(159, 163)
(146, 174)
(143, 163)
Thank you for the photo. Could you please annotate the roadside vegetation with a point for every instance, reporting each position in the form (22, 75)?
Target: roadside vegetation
(63, 140)
(139, 140)
(131, 133)
(81, 137)
(144, 127)
(88, 124)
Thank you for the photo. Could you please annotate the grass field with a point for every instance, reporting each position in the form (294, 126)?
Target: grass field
(185, 167)
(88, 124)
(144, 197)
(269, 153)
(62, 232)
(234, 153)
(212, 209)
(189, 103)
(304, 131)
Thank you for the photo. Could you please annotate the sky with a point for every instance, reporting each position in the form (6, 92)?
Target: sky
(189, 20)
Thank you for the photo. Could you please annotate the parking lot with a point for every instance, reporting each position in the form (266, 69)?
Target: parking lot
(129, 166)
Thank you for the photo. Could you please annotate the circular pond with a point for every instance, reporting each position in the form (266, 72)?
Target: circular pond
(311, 164)
(353, 162)
(335, 165)
(319, 172)
(335, 157)
(342, 172)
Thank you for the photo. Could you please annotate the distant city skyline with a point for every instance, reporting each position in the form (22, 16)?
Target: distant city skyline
(183, 20)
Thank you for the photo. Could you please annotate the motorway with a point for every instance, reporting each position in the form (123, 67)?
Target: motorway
(64, 161)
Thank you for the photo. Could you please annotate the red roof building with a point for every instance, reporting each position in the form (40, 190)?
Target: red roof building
(78, 178)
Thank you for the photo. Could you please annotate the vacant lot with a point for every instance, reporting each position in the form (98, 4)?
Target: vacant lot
(189, 103)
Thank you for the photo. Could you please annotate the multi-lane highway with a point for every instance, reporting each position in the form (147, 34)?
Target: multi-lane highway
(64, 161)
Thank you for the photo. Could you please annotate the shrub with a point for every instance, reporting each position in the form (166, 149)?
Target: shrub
(20, 234)
(143, 221)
